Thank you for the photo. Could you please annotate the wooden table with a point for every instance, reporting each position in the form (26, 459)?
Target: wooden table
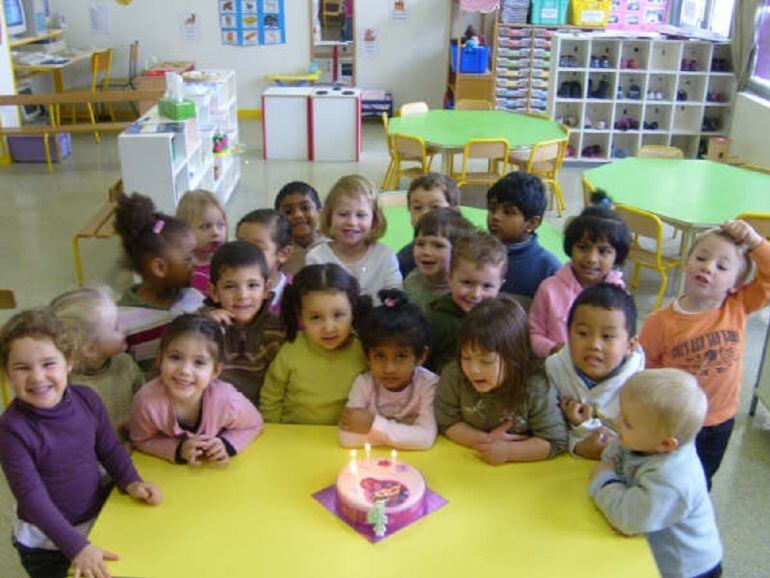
(256, 517)
(55, 64)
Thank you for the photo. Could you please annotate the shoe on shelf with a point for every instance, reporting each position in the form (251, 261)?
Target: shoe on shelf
(681, 95)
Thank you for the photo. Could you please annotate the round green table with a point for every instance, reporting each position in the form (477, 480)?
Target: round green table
(449, 130)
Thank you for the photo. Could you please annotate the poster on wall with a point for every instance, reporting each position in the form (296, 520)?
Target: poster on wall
(370, 44)
(252, 22)
(398, 12)
(189, 27)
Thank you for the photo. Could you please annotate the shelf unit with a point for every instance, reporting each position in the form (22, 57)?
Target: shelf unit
(164, 158)
(619, 93)
(470, 85)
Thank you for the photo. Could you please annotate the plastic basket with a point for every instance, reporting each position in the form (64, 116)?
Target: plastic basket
(549, 11)
(590, 12)
(473, 60)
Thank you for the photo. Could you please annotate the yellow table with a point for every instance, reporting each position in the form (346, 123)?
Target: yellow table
(256, 517)
(55, 65)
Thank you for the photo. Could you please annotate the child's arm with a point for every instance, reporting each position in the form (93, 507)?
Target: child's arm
(358, 399)
(243, 422)
(419, 435)
(145, 431)
(546, 420)
(274, 388)
(542, 344)
(756, 294)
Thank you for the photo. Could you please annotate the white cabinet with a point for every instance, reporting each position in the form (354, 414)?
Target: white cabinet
(618, 94)
(335, 122)
(286, 133)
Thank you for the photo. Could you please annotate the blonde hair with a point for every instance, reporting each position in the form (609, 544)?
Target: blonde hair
(747, 268)
(479, 248)
(353, 186)
(671, 398)
(193, 203)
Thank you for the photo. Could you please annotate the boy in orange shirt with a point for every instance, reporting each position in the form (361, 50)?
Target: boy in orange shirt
(703, 330)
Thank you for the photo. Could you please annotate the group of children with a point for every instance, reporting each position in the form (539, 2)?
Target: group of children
(303, 319)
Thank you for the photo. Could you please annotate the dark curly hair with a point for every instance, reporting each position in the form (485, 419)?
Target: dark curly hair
(599, 223)
(37, 324)
(397, 320)
(201, 325)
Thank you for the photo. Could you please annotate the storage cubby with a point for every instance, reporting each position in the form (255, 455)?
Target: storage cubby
(604, 53)
(628, 117)
(687, 119)
(654, 139)
(721, 59)
(721, 90)
(601, 86)
(571, 84)
(634, 55)
(569, 113)
(665, 55)
(696, 57)
(716, 120)
(691, 88)
(688, 144)
(624, 145)
(595, 147)
(577, 51)
(661, 88)
(657, 115)
(598, 116)
(573, 149)
(632, 86)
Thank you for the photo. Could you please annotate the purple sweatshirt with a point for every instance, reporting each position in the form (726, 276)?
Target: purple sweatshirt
(51, 458)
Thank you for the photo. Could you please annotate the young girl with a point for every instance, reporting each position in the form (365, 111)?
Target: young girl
(269, 230)
(186, 415)
(392, 403)
(310, 378)
(100, 343)
(301, 205)
(493, 400)
(205, 216)
(160, 249)
(353, 220)
(52, 439)
(597, 242)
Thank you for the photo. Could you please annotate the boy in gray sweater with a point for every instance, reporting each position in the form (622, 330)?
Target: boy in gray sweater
(652, 481)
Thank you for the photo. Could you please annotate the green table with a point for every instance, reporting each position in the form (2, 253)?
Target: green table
(449, 130)
(400, 230)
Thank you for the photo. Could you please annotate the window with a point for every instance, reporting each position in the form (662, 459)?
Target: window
(760, 75)
(713, 16)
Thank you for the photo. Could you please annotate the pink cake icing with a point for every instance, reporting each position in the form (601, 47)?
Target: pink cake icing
(402, 488)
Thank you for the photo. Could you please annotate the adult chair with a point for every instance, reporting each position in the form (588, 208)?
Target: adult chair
(473, 104)
(659, 152)
(545, 160)
(493, 151)
(407, 148)
(7, 301)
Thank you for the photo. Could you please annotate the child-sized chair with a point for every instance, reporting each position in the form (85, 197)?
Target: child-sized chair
(494, 151)
(413, 108)
(660, 152)
(407, 148)
(389, 145)
(545, 160)
(473, 104)
(7, 301)
(101, 64)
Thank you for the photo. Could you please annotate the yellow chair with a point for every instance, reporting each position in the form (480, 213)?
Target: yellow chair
(757, 168)
(473, 104)
(389, 172)
(646, 225)
(413, 108)
(128, 83)
(101, 64)
(537, 115)
(494, 151)
(7, 301)
(659, 152)
(760, 222)
(407, 148)
(545, 160)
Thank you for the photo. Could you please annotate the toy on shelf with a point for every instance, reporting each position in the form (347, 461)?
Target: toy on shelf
(309, 78)
(221, 144)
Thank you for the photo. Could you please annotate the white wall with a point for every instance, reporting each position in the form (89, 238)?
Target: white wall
(750, 129)
(411, 62)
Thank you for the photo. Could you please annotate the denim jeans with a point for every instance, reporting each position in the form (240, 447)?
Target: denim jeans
(711, 444)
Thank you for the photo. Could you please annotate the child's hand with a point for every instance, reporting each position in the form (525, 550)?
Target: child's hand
(742, 232)
(214, 451)
(494, 451)
(608, 466)
(90, 562)
(575, 412)
(146, 492)
(356, 420)
(593, 446)
(221, 316)
(192, 450)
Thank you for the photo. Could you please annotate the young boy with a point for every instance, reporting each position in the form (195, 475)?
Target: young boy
(476, 272)
(602, 354)
(300, 204)
(432, 191)
(270, 231)
(702, 331)
(253, 335)
(434, 235)
(515, 206)
(651, 480)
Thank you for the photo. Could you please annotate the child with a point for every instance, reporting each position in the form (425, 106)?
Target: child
(186, 415)
(353, 220)
(434, 235)
(603, 353)
(651, 481)
(270, 231)
(300, 204)
(493, 400)
(476, 272)
(702, 332)
(597, 242)
(161, 250)
(426, 193)
(310, 378)
(205, 216)
(392, 403)
(516, 204)
(52, 439)
(100, 343)
(252, 334)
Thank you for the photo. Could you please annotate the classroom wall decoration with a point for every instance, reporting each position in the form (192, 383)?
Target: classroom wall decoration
(252, 22)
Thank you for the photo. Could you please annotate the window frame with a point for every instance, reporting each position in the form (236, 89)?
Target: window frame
(757, 85)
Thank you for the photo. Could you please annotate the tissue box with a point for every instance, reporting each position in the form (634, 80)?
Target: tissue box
(176, 110)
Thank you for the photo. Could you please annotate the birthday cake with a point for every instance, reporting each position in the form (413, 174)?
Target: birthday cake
(382, 486)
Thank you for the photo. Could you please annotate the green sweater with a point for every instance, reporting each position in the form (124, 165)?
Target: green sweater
(445, 318)
(421, 291)
(458, 401)
(308, 384)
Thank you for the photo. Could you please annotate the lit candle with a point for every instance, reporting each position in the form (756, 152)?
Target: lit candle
(393, 458)
(368, 451)
(353, 463)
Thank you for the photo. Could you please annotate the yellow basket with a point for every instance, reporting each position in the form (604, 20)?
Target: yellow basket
(590, 12)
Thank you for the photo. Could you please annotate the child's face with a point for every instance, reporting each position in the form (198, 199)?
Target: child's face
(261, 235)
(241, 291)
(422, 201)
(506, 222)
(432, 254)
(37, 371)
(599, 340)
(110, 338)
(210, 232)
(327, 317)
(187, 367)
(484, 369)
(393, 365)
(636, 429)
(592, 261)
(712, 269)
(471, 283)
(179, 259)
(302, 215)
(352, 220)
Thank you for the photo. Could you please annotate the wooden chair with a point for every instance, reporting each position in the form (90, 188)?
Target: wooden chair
(99, 226)
(587, 188)
(7, 301)
(545, 160)
(757, 168)
(494, 151)
(646, 225)
(101, 64)
(389, 172)
(407, 148)
(473, 104)
(392, 199)
(660, 152)
(413, 108)
(128, 82)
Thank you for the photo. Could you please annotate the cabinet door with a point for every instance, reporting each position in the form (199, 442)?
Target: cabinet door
(336, 128)
(285, 126)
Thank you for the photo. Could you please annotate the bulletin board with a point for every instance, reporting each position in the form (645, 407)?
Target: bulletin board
(252, 22)
(647, 15)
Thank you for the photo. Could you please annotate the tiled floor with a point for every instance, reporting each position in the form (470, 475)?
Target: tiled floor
(39, 212)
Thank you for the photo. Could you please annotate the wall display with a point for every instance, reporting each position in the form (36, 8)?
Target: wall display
(252, 22)
(646, 15)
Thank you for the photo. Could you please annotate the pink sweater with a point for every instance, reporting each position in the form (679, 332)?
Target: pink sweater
(154, 428)
(550, 308)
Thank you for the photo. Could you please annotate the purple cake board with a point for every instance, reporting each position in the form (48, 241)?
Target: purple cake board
(328, 499)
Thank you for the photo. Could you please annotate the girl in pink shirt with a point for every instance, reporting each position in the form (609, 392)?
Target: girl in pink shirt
(187, 415)
(392, 403)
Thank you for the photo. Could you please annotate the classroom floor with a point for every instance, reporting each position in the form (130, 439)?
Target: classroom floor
(39, 212)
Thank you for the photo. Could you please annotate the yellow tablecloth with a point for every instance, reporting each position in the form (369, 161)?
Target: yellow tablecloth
(256, 517)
